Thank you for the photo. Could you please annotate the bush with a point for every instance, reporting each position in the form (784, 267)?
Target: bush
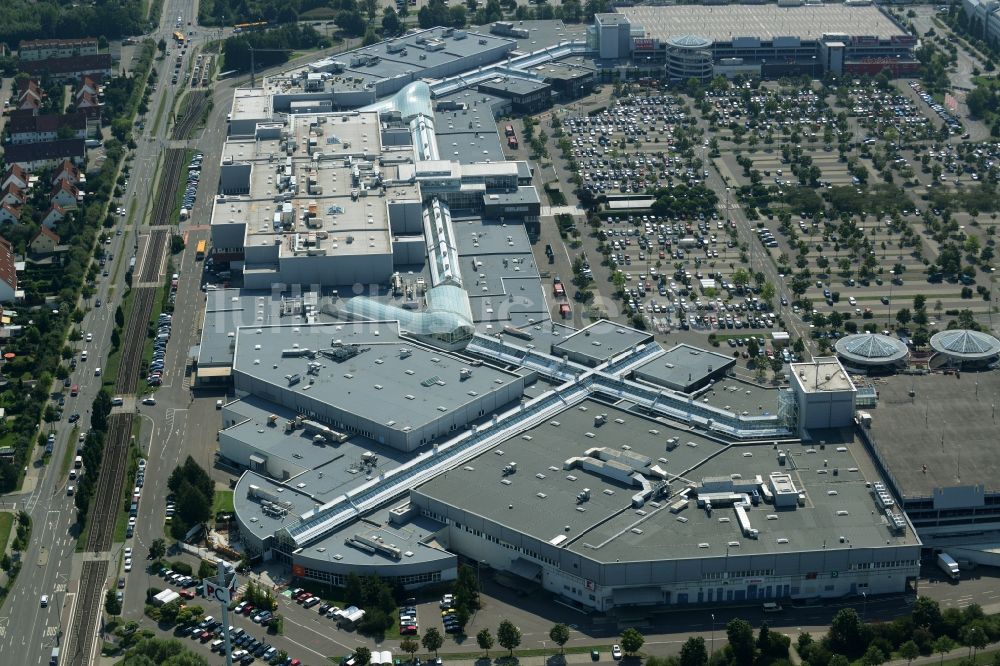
(182, 568)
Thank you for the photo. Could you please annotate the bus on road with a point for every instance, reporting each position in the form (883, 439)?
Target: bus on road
(179, 37)
(199, 252)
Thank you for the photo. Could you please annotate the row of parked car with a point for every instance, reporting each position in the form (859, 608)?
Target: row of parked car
(194, 176)
(163, 327)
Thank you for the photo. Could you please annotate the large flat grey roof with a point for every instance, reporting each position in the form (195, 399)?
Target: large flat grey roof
(268, 522)
(513, 85)
(329, 470)
(765, 22)
(415, 539)
(544, 33)
(605, 529)
(738, 397)
(382, 383)
(476, 237)
(683, 365)
(601, 340)
(228, 309)
(949, 425)
(468, 136)
(524, 297)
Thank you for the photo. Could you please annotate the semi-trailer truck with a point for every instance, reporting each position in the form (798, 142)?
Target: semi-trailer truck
(948, 565)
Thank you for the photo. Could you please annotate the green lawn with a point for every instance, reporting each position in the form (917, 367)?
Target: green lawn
(115, 357)
(6, 524)
(159, 117)
(69, 454)
(223, 502)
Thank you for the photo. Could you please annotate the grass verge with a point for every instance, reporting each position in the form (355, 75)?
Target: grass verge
(69, 454)
(223, 502)
(6, 525)
(115, 356)
(159, 117)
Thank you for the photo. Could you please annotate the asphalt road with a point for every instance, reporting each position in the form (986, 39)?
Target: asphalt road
(28, 631)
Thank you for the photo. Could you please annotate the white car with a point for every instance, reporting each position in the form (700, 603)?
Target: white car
(149, 400)
(128, 564)
(616, 652)
(852, 300)
(90, 337)
(128, 553)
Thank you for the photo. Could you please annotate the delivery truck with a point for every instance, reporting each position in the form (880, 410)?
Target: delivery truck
(948, 565)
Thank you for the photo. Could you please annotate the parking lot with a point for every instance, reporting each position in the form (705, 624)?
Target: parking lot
(783, 206)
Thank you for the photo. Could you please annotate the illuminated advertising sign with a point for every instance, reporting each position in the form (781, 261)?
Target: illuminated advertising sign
(644, 44)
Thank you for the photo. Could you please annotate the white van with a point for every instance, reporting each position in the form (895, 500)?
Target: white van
(771, 607)
(69, 490)
(97, 372)
(83, 355)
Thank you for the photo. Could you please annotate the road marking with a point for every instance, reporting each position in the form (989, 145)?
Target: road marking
(288, 619)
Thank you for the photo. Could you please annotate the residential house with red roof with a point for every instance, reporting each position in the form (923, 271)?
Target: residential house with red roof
(8, 272)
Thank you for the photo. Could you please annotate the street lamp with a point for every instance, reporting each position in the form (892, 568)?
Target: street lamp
(864, 607)
(713, 635)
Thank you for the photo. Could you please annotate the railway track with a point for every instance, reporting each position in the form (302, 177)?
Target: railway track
(154, 256)
(106, 504)
(107, 499)
(163, 205)
(197, 99)
(88, 606)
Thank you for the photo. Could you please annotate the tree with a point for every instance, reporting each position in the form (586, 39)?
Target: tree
(873, 656)
(391, 25)
(168, 611)
(927, 613)
(975, 638)
(508, 636)
(467, 589)
(362, 655)
(485, 640)
(846, 633)
(693, 652)
(409, 646)
(207, 570)
(740, 636)
(432, 640)
(767, 292)
(903, 316)
(909, 651)
(157, 549)
(111, 604)
(632, 640)
(559, 633)
(944, 645)
(352, 590)
(352, 23)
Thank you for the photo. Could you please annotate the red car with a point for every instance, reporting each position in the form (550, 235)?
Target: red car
(248, 609)
(408, 629)
(187, 594)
